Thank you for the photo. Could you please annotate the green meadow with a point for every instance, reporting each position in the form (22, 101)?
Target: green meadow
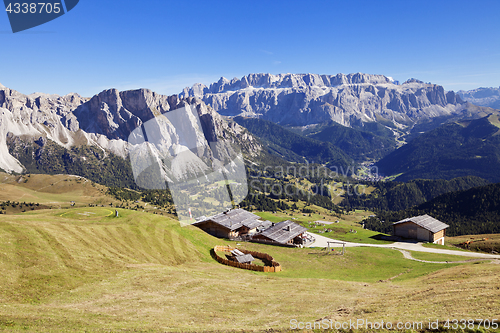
(83, 269)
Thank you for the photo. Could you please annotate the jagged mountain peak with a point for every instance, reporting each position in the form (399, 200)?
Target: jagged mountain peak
(348, 99)
(116, 113)
(489, 97)
(105, 120)
(288, 80)
(36, 99)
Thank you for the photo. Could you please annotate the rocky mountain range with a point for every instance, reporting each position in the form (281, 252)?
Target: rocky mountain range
(489, 97)
(350, 100)
(33, 123)
(35, 128)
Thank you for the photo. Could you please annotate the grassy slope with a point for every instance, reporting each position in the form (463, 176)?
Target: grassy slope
(438, 256)
(339, 231)
(56, 190)
(50, 251)
(59, 191)
(361, 264)
(83, 271)
(482, 243)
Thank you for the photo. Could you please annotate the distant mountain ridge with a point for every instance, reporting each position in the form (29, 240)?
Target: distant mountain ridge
(489, 97)
(378, 110)
(372, 142)
(330, 144)
(350, 100)
(285, 81)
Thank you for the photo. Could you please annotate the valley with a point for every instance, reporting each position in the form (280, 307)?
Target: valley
(90, 238)
(250, 167)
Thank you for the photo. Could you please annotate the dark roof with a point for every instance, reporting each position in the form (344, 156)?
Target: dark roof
(263, 225)
(237, 252)
(426, 222)
(284, 231)
(234, 219)
(252, 223)
(244, 258)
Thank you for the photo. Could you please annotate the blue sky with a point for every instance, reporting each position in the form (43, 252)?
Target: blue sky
(165, 45)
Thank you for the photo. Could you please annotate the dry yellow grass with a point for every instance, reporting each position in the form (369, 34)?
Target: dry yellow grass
(83, 270)
(142, 272)
(52, 190)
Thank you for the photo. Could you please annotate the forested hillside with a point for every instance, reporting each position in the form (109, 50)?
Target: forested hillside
(47, 157)
(474, 211)
(373, 142)
(395, 196)
(295, 147)
(452, 150)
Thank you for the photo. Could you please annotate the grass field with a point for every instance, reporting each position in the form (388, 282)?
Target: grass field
(70, 270)
(81, 269)
(57, 191)
(361, 264)
(484, 243)
(62, 191)
(347, 229)
(437, 256)
(348, 233)
(488, 243)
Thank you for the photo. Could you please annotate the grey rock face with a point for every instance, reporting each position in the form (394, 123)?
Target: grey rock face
(105, 120)
(489, 97)
(35, 115)
(304, 99)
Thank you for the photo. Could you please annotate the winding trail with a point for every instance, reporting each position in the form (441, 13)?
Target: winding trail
(321, 241)
(408, 255)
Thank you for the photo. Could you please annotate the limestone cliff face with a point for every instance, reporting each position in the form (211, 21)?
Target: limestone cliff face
(36, 115)
(105, 120)
(489, 97)
(304, 99)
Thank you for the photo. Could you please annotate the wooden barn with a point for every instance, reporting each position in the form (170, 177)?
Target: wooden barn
(232, 224)
(286, 232)
(424, 228)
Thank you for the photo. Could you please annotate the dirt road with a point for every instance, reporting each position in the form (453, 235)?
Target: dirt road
(321, 241)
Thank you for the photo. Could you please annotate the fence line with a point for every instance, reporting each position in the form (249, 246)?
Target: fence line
(273, 265)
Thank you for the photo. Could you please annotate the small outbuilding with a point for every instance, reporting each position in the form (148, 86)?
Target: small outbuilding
(424, 228)
(241, 257)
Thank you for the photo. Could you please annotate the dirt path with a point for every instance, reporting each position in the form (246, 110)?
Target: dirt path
(321, 241)
(408, 255)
